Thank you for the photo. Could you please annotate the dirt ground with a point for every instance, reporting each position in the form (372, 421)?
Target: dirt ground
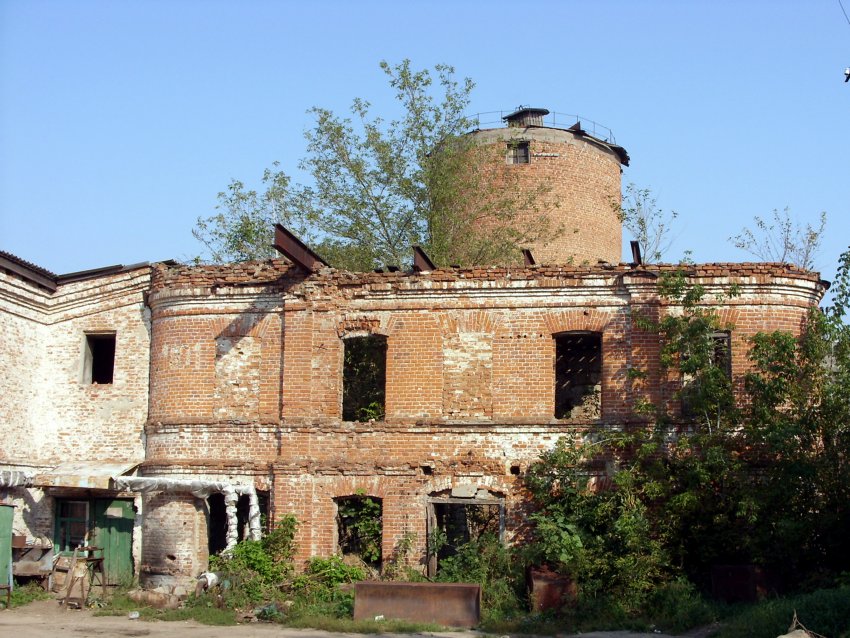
(46, 618)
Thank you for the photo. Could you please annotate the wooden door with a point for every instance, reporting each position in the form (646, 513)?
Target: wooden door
(6, 516)
(113, 531)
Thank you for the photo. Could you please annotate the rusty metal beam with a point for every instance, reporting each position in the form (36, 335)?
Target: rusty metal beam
(637, 259)
(528, 257)
(295, 250)
(421, 261)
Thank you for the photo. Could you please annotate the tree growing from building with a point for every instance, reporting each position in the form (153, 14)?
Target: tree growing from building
(380, 186)
(650, 225)
(782, 239)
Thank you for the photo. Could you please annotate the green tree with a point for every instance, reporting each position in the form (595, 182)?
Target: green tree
(378, 187)
(782, 239)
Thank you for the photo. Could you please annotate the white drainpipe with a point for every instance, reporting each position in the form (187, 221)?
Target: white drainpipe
(16, 478)
(203, 489)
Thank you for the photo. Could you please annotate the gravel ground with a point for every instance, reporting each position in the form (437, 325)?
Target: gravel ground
(46, 618)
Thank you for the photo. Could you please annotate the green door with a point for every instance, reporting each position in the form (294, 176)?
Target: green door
(113, 531)
(6, 514)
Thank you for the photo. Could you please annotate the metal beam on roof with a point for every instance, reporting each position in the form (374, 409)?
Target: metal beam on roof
(421, 261)
(296, 250)
(637, 259)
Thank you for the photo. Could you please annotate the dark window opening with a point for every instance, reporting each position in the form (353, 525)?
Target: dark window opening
(364, 378)
(72, 526)
(518, 153)
(216, 523)
(578, 375)
(455, 522)
(99, 358)
(360, 530)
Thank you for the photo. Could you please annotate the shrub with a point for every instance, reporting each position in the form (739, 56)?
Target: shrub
(255, 571)
(496, 568)
(826, 612)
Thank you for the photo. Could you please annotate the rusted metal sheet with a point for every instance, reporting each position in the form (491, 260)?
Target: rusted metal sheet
(449, 604)
(81, 474)
(637, 260)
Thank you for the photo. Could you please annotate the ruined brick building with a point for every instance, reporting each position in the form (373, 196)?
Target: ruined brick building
(225, 386)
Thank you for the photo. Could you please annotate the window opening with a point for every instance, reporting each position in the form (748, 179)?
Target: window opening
(99, 363)
(359, 521)
(578, 375)
(243, 509)
(364, 378)
(455, 522)
(721, 352)
(716, 358)
(216, 523)
(72, 526)
(518, 153)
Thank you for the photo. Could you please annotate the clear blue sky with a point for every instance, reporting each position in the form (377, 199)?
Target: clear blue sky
(121, 121)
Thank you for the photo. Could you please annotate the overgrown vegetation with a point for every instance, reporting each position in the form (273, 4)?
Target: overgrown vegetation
(639, 515)
(360, 528)
(782, 239)
(650, 225)
(826, 612)
(364, 378)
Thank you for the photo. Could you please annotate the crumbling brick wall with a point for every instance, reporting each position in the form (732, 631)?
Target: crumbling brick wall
(470, 375)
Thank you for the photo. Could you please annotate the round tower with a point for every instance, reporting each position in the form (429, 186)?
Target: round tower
(569, 175)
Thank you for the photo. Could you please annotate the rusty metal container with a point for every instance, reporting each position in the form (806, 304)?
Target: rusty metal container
(549, 589)
(739, 583)
(449, 604)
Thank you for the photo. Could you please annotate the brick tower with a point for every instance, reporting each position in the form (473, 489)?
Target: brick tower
(579, 172)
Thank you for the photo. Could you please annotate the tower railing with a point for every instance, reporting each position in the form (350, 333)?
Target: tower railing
(495, 119)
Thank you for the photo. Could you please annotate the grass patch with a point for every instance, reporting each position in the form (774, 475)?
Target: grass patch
(826, 612)
(203, 615)
(25, 594)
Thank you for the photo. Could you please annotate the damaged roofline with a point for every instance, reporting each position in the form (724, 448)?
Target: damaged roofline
(51, 281)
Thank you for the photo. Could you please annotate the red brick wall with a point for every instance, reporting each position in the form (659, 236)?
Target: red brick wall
(470, 376)
(577, 183)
